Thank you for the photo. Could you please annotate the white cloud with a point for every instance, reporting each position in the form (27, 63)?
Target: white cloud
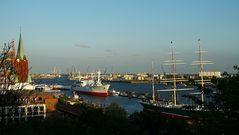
(108, 50)
(82, 46)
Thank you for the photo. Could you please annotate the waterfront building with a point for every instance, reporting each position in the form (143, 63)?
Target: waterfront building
(32, 105)
(142, 76)
(210, 74)
(128, 77)
(116, 76)
(30, 97)
(23, 112)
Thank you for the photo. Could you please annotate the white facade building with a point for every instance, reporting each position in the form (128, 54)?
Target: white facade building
(9, 113)
(210, 74)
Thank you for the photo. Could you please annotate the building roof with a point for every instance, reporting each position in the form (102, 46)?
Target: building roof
(20, 51)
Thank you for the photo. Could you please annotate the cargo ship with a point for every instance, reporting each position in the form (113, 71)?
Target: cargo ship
(90, 86)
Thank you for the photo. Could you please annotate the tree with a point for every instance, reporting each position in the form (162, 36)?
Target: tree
(226, 104)
(227, 98)
(115, 111)
(7, 70)
(225, 73)
(8, 97)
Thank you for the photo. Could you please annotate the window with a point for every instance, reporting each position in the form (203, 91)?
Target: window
(41, 108)
(29, 110)
(35, 110)
(23, 111)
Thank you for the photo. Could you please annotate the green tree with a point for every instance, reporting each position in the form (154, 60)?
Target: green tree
(227, 98)
(226, 103)
(9, 97)
(115, 111)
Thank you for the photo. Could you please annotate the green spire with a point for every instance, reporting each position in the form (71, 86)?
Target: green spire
(20, 51)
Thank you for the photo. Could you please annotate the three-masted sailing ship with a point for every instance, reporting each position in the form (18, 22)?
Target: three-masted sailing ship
(173, 109)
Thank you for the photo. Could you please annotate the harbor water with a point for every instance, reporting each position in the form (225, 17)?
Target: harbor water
(129, 104)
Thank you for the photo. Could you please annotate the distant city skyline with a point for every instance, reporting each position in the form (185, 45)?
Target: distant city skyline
(122, 36)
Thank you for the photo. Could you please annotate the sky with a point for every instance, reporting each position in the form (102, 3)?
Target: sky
(122, 35)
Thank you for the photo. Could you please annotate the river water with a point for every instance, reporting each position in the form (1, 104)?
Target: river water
(130, 105)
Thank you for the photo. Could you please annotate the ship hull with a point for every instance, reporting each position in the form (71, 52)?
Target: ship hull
(167, 112)
(93, 91)
(100, 94)
(173, 113)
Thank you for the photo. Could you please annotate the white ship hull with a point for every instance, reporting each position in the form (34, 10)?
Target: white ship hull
(93, 90)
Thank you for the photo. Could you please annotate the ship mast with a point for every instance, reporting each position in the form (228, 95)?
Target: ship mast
(174, 76)
(98, 76)
(153, 95)
(201, 64)
(201, 70)
(173, 62)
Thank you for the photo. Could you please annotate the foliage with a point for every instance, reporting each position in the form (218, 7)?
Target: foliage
(9, 97)
(7, 71)
(226, 103)
(113, 119)
(95, 121)
(115, 111)
(228, 95)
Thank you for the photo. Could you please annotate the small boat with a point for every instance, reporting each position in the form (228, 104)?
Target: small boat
(45, 88)
(131, 94)
(61, 87)
(113, 93)
(142, 97)
(123, 94)
(22, 86)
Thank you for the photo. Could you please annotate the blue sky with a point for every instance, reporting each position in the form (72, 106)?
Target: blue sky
(122, 35)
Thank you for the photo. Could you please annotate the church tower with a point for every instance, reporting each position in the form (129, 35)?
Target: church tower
(21, 63)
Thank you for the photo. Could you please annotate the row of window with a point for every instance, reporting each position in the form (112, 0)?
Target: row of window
(23, 111)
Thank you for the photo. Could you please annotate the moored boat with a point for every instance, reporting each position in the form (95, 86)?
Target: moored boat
(92, 87)
(170, 109)
(45, 88)
(60, 87)
(92, 90)
(179, 112)
(113, 92)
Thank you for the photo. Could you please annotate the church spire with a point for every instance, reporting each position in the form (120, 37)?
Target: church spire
(20, 51)
(21, 63)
